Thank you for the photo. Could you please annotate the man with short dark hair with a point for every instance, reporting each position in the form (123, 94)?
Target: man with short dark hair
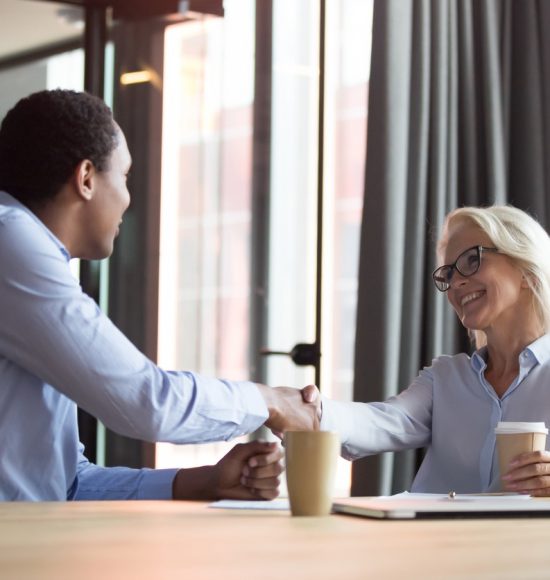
(63, 168)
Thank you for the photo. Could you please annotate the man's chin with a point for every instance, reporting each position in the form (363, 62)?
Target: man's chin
(97, 253)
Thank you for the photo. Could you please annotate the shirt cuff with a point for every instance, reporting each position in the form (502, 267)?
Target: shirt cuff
(156, 484)
(258, 411)
(335, 418)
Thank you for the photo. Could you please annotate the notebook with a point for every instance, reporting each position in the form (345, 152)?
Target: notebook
(411, 506)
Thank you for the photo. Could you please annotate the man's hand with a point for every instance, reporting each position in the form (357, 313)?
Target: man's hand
(248, 471)
(292, 409)
(529, 473)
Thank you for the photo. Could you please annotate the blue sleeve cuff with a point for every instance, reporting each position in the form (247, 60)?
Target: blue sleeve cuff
(156, 484)
(258, 411)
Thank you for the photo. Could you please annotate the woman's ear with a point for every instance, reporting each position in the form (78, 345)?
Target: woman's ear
(526, 278)
(84, 175)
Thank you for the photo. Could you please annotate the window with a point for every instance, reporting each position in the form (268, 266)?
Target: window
(206, 200)
(206, 215)
(65, 70)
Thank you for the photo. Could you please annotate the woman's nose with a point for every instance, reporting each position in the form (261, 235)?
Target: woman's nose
(457, 279)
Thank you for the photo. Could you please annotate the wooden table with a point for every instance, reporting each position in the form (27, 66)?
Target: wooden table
(187, 540)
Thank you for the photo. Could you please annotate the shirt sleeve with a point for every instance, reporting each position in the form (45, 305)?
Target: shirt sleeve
(118, 483)
(54, 331)
(401, 422)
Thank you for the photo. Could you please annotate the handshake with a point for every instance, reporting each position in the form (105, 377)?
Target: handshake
(292, 409)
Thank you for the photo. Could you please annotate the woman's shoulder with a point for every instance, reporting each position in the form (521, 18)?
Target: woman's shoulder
(448, 362)
(448, 370)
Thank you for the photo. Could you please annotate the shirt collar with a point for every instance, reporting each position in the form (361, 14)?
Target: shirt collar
(539, 350)
(479, 359)
(9, 201)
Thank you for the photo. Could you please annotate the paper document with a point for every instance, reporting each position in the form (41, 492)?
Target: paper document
(236, 504)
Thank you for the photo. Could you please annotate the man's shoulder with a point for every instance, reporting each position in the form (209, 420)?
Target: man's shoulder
(15, 224)
(10, 213)
(13, 214)
(18, 230)
(21, 230)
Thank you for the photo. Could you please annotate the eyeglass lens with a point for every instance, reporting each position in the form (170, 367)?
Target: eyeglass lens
(466, 264)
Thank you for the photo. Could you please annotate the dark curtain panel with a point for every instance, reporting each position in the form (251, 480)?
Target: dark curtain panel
(458, 115)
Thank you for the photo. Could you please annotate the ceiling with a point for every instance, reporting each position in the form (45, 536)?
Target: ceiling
(29, 24)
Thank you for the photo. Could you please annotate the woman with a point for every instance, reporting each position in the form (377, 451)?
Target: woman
(496, 274)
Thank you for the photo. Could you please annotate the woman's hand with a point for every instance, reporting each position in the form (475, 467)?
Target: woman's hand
(529, 473)
(249, 471)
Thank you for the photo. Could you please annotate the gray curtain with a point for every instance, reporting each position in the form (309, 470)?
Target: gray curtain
(459, 105)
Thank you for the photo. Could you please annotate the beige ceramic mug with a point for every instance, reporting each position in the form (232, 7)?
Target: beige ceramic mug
(311, 458)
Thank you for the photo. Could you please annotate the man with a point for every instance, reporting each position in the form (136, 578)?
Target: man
(63, 169)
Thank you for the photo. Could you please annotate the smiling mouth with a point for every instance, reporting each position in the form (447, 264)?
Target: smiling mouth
(471, 297)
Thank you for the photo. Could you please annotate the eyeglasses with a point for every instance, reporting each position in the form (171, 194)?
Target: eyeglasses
(466, 265)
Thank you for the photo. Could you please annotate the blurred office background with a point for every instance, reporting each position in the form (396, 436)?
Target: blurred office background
(268, 216)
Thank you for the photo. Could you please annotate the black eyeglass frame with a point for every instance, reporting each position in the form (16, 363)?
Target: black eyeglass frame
(443, 283)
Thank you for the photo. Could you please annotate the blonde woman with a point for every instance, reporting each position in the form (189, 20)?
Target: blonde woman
(495, 271)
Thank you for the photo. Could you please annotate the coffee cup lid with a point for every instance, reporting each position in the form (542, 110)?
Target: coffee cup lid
(506, 427)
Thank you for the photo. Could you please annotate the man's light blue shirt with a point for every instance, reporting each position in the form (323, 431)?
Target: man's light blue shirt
(57, 351)
(452, 411)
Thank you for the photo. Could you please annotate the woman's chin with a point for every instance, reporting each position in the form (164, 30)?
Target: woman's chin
(471, 323)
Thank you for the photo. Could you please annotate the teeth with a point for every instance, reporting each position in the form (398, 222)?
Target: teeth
(470, 297)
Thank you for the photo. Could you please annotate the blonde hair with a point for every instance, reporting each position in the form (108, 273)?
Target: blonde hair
(520, 237)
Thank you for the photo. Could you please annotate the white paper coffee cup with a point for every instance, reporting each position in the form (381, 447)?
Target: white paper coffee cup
(517, 437)
(507, 427)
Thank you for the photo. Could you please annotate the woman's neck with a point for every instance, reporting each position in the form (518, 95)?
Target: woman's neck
(503, 357)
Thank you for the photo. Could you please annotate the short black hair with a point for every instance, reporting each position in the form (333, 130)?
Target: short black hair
(46, 135)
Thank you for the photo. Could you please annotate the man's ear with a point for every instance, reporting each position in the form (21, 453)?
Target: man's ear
(84, 175)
